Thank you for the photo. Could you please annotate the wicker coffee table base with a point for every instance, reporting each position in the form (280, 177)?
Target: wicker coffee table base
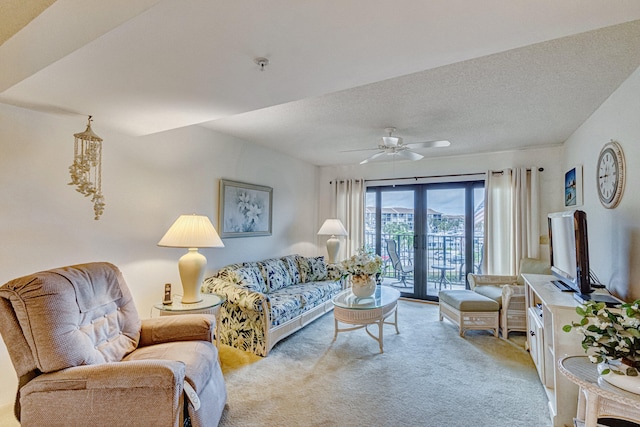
(363, 318)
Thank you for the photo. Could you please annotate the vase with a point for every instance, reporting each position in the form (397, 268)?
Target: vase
(620, 380)
(363, 285)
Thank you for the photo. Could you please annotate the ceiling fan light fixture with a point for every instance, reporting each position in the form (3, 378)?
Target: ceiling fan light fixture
(391, 141)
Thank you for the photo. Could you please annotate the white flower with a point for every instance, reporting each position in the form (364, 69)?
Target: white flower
(604, 325)
(364, 262)
(253, 212)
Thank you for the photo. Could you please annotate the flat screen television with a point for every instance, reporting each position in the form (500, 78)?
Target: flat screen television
(569, 256)
(569, 250)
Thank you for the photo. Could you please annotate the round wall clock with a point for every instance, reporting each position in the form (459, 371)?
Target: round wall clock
(610, 174)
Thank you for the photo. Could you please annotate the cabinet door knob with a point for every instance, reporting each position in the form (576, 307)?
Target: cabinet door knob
(533, 334)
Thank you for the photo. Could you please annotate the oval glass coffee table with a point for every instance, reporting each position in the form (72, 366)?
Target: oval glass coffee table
(363, 312)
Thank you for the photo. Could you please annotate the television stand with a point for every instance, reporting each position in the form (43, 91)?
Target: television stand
(562, 286)
(609, 300)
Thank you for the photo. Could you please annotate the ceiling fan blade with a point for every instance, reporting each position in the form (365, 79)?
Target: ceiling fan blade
(409, 155)
(375, 156)
(360, 149)
(428, 144)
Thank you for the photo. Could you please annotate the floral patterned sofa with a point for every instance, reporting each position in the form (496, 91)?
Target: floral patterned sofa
(269, 300)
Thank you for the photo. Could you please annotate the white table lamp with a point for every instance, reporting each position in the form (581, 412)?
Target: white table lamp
(192, 232)
(332, 227)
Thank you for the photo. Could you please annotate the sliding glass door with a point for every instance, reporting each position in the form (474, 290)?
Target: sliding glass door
(429, 235)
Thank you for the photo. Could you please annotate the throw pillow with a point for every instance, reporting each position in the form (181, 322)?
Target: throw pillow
(304, 268)
(275, 274)
(318, 269)
(290, 261)
(251, 278)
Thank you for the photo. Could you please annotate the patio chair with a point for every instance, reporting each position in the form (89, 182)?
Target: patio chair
(401, 270)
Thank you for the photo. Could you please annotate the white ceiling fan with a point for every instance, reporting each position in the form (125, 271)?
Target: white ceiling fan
(394, 147)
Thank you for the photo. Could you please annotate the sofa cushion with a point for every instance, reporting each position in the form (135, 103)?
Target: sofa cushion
(318, 269)
(493, 292)
(199, 357)
(275, 273)
(465, 300)
(532, 266)
(329, 288)
(309, 294)
(284, 307)
(291, 262)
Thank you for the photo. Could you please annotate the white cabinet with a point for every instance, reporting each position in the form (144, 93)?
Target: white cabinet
(548, 310)
(535, 340)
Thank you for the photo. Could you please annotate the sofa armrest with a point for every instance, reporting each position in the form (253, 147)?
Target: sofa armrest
(186, 327)
(488, 279)
(512, 293)
(244, 298)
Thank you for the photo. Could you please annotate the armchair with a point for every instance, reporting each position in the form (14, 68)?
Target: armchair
(508, 292)
(83, 357)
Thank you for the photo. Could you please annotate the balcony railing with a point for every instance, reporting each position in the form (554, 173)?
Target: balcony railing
(445, 255)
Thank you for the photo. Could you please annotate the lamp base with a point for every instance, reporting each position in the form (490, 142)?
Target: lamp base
(333, 247)
(191, 266)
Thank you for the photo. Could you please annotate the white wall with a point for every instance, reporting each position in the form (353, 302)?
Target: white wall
(147, 183)
(548, 158)
(614, 234)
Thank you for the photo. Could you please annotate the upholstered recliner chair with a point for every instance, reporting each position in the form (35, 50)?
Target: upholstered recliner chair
(508, 292)
(83, 357)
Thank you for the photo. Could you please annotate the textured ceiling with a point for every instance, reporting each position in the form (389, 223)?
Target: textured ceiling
(15, 14)
(487, 75)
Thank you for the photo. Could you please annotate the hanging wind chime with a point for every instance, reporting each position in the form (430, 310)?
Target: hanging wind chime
(86, 170)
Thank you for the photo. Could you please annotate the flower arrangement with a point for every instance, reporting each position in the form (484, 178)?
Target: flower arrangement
(364, 262)
(611, 335)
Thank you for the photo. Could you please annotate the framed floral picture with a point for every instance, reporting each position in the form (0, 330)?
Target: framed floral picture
(245, 209)
(573, 187)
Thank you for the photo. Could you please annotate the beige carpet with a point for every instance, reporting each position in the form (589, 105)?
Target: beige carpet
(427, 376)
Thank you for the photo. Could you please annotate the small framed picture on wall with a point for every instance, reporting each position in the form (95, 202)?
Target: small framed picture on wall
(573, 187)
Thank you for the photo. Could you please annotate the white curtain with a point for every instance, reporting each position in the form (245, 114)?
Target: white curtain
(512, 219)
(349, 208)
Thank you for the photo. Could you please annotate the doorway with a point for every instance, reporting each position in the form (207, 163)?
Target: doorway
(430, 236)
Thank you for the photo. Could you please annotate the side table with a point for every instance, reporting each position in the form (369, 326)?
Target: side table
(210, 304)
(597, 398)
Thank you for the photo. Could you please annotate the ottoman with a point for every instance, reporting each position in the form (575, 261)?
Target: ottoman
(469, 310)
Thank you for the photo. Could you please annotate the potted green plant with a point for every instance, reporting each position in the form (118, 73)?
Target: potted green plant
(611, 338)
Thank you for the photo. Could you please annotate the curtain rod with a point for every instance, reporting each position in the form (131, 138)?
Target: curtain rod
(423, 177)
(439, 176)
(433, 176)
(528, 169)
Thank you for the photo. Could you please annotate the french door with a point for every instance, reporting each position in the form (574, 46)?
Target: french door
(429, 235)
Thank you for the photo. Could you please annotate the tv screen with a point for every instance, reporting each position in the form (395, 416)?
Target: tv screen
(569, 250)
